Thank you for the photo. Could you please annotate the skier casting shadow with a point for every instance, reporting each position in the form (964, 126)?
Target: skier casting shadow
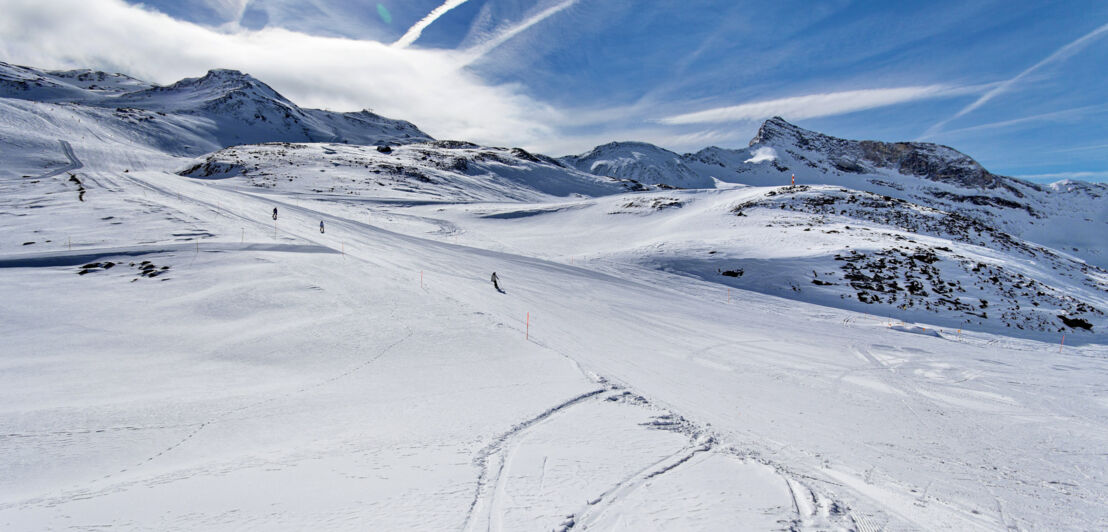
(275, 213)
(495, 284)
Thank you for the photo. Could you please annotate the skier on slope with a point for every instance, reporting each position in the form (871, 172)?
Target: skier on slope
(494, 280)
(321, 226)
(275, 213)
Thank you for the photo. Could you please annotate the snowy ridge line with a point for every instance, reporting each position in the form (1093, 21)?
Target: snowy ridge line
(496, 447)
(66, 258)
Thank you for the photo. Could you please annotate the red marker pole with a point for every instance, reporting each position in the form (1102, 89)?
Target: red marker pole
(1060, 346)
(794, 180)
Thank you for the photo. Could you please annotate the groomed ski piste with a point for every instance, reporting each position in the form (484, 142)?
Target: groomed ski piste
(175, 359)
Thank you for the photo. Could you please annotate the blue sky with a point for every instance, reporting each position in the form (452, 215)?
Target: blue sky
(1020, 86)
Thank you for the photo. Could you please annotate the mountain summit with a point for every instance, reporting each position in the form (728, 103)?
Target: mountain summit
(233, 108)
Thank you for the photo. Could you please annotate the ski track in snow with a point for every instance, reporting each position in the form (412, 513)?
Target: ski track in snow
(599, 505)
(74, 162)
(494, 461)
(489, 477)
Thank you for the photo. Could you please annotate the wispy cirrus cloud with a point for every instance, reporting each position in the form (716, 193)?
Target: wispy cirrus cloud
(1065, 114)
(480, 50)
(416, 30)
(1095, 147)
(1058, 55)
(817, 105)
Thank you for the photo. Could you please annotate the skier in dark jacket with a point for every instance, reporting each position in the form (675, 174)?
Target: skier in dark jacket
(494, 281)
(275, 213)
(321, 226)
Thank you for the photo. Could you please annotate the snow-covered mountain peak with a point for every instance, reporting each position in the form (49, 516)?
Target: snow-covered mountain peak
(778, 128)
(638, 161)
(211, 90)
(1094, 190)
(228, 79)
(925, 160)
(82, 85)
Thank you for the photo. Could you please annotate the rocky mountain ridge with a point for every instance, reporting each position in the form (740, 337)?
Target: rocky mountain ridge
(1068, 215)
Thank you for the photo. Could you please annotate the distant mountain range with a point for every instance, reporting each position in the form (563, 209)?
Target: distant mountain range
(944, 234)
(1067, 215)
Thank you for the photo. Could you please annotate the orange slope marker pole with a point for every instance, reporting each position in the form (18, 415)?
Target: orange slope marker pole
(1061, 345)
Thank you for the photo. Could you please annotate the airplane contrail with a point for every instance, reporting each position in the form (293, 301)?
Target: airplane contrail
(416, 30)
(480, 50)
(1059, 54)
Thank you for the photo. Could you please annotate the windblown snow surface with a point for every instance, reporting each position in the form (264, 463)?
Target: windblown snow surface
(818, 357)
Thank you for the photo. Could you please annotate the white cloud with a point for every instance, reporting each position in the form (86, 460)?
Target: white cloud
(427, 87)
(1058, 55)
(815, 105)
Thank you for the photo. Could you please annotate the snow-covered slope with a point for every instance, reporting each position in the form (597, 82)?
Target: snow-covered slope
(828, 246)
(435, 171)
(64, 85)
(803, 358)
(222, 108)
(167, 341)
(246, 111)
